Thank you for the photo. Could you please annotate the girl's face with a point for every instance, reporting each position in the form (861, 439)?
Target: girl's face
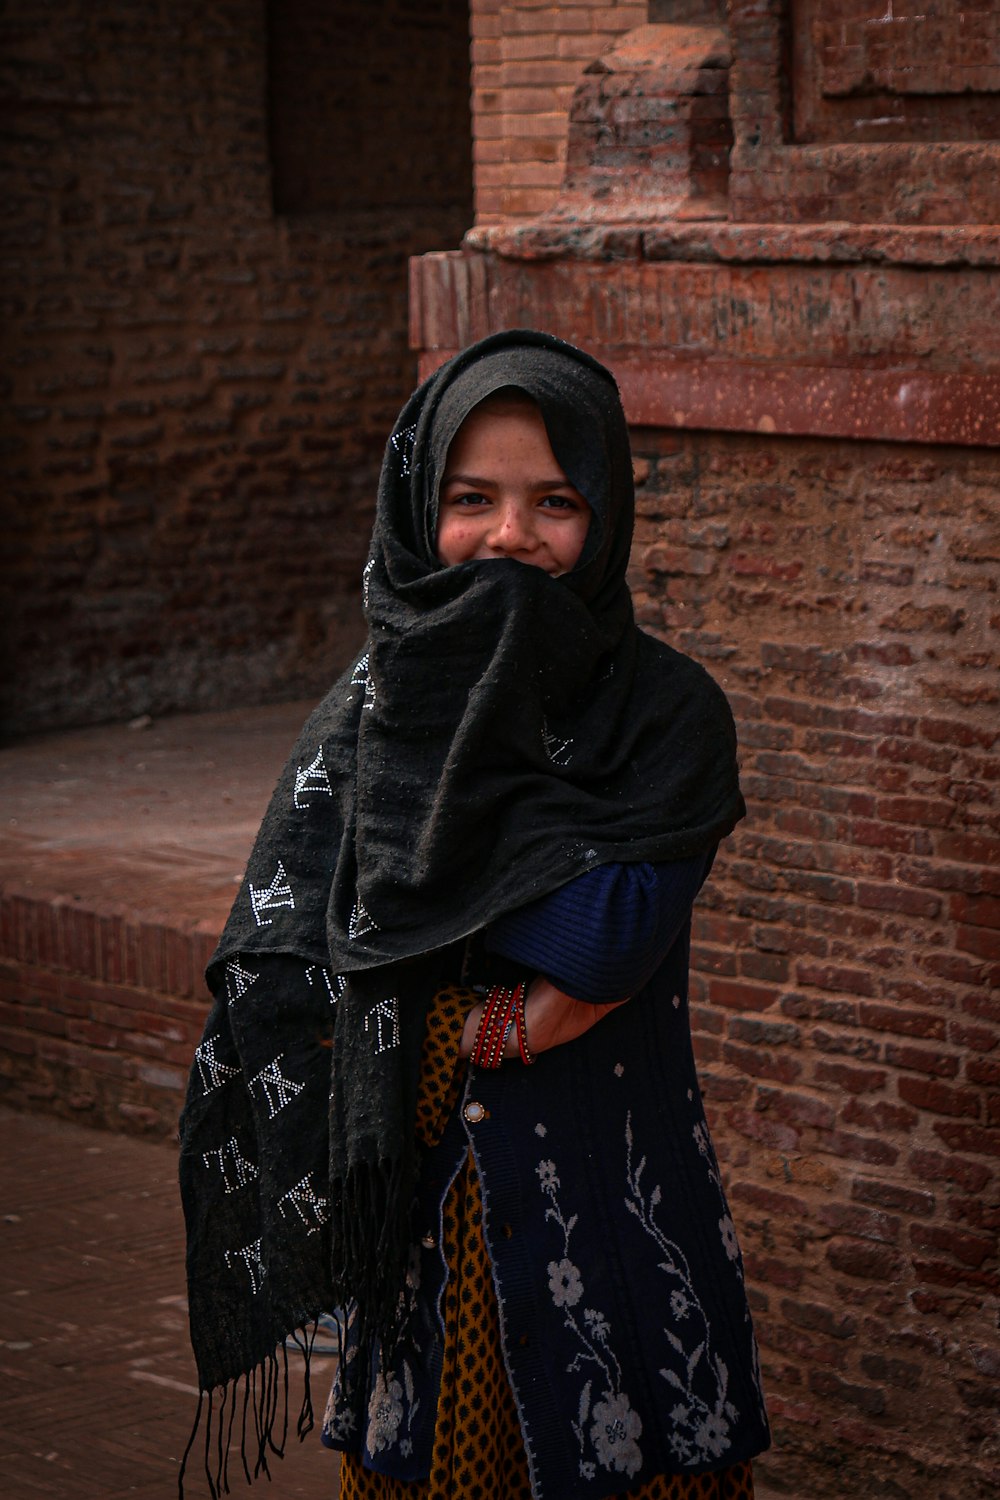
(504, 495)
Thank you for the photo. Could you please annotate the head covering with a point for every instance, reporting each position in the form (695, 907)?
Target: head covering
(502, 732)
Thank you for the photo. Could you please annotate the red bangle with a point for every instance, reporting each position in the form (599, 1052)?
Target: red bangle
(522, 1028)
(499, 1014)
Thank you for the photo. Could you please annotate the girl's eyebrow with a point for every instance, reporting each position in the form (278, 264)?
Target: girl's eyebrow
(533, 484)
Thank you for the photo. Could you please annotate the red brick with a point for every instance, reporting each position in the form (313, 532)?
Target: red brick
(770, 1269)
(769, 1132)
(901, 1021)
(879, 1115)
(851, 1079)
(984, 942)
(956, 732)
(739, 996)
(766, 966)
(864, 1259)
(835, 977)
(768, 1200)
(758, 1063)
(969, 848)
(17, 1042)
(93, 1034)
(948, 1274)
(922, 1060)
(962, 1137)
(88, 1060)
(956, 968)
(864, 1148)
(978, 1070)
(816, 1316)
(756, 1032)
(970, 1249)
(706, 1020)
(977, 911)
(918, 810)
(800, 1109)
(713, 960)
(928, 1093)
(982, 1006)
(831, 1387)
(719, 1089)
(898, 898)
(864, 1223)
(892, 1195)
(876, 834)
(971, 1175)
(901, 1373)
(911, 992)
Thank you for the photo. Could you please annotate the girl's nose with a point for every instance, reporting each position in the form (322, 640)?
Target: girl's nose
(512, 531)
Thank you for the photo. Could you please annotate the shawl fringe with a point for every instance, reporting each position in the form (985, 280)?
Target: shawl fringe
(264, 1401)
(370, 1219)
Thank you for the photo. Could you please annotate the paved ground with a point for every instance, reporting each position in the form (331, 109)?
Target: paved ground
(97, 1383)
(156, 819)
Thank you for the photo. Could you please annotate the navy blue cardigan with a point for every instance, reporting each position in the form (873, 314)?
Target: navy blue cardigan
(626, 1332)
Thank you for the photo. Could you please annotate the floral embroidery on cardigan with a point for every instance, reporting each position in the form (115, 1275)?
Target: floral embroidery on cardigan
(388, 1413)
(607, 1429)
(701, 1426)
(731, 1246)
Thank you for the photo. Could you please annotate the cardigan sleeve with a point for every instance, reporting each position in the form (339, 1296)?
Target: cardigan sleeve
(602, 936)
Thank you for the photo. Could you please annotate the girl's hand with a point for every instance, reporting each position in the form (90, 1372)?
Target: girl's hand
(551, 1018)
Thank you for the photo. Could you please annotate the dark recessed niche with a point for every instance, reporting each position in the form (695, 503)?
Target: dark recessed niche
(369, 104)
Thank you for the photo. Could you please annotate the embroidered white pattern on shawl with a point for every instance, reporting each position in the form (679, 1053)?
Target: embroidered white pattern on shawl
(336, 984)
(360, 923)
(278, 1090)
(229, 1158)
(607, 1429)
(312, 779)
(250, 1257)
(313, 1208)
(366, 578)
(270, 897)
(212, 1072)
(238, 980)
(558, 750)
(384, 1014)
(361, 676)
(402, 442)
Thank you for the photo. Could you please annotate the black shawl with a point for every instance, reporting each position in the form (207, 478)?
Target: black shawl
(503, 732)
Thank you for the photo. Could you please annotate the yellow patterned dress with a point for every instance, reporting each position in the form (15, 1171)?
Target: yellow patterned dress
(478, 1452)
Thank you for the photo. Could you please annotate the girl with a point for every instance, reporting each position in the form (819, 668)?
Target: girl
(447, 1083)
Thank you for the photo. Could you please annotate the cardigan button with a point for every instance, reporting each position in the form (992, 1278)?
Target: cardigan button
(474, 1112)
(428, 1241)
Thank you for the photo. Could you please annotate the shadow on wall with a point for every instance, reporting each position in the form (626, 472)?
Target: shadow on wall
(206, 327)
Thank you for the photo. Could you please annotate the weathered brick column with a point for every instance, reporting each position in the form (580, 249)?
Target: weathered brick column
(811, 368)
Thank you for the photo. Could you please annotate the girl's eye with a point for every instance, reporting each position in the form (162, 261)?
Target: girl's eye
(471, 498)
(561, 502)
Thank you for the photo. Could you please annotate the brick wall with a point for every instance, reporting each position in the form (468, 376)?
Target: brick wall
(527, 57)
(198, 389)
(100, 1014)
(846, 956)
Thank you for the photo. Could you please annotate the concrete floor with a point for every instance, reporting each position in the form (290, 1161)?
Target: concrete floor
(97, 1383)
(156, 819)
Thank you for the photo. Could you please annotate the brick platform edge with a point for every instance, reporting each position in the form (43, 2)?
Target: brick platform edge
(99, 1013)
